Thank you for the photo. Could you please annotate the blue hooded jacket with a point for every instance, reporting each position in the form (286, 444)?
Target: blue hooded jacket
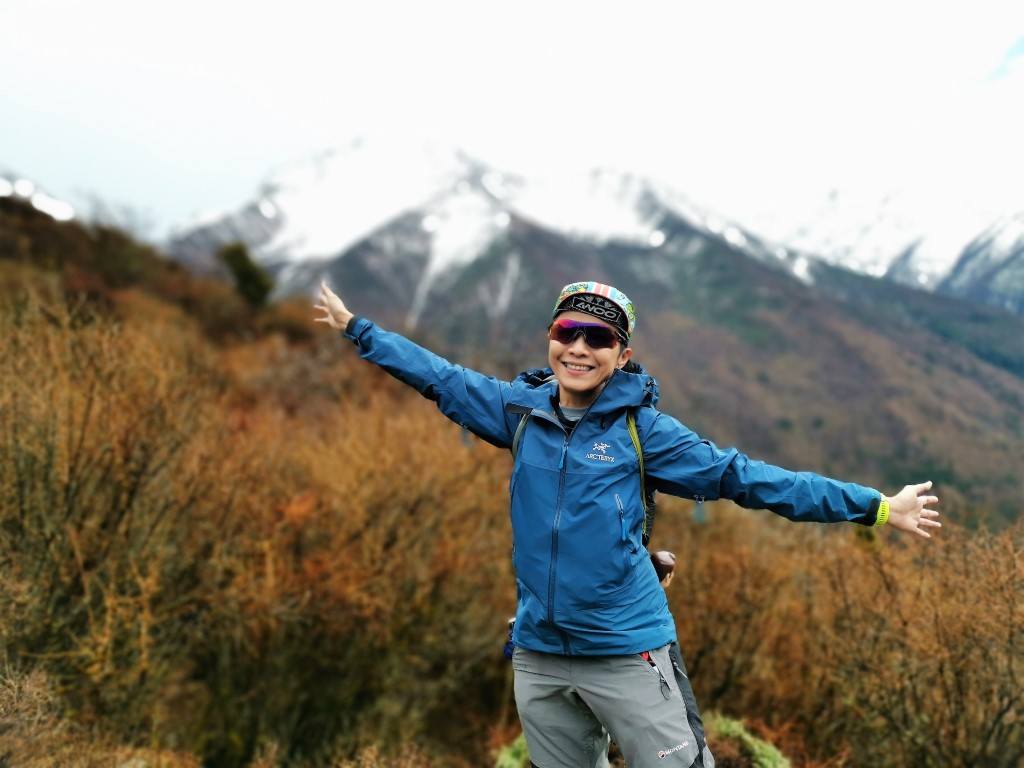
(585, 582)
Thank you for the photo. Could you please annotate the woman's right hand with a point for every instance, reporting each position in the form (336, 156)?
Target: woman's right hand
(336, 314)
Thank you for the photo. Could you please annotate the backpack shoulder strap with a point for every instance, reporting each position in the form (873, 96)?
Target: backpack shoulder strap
(519, 433)
(523, 411)
(646, 495)
(635, 437)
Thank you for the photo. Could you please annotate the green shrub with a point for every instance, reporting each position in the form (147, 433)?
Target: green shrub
(760, 753)
(514, 755)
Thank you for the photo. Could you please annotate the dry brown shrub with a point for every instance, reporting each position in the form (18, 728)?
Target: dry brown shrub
(411, 757)
(99, 482)
(36, 733)
(739, 597)
(292, 581)
(930, 649)
(856, 645)
(360, 568)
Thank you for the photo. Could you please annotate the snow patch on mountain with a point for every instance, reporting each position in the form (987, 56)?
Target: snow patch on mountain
(461, 225)
(14, 185)
(497, 306)
(913, 236)
(329, 203)
(600, 206)
(318, 209)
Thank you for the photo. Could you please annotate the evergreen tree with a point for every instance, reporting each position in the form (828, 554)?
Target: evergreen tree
(251, 281)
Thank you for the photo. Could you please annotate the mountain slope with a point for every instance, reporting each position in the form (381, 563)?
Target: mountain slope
(850, 376)
(847, 375)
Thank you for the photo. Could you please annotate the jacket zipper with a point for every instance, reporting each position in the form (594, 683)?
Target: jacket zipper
(554, 535)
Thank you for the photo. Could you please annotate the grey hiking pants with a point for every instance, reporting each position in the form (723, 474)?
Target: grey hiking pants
(571, 707)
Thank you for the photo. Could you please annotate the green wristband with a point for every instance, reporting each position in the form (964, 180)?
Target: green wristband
(883, 512)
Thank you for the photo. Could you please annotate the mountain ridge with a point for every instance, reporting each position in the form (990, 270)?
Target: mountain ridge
(314, 211)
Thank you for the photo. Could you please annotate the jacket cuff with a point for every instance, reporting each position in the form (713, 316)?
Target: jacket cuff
(354, 327)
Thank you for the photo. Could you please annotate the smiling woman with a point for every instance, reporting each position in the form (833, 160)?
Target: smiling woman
(583, 357)
(592, 620)
(588, 340)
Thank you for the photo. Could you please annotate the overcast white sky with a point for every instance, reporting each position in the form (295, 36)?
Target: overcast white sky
(176, 109)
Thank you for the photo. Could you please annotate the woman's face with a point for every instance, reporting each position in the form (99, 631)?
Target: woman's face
(582, 370)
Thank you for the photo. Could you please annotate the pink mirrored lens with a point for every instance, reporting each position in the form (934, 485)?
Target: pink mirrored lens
(596, 336)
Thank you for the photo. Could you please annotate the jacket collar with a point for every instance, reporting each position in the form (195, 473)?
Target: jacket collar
(623, 390)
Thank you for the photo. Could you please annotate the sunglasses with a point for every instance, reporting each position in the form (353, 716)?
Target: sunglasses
(596, 336)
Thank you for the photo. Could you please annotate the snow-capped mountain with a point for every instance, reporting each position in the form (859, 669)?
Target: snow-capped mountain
(991, 268)
(448, 208)
(451, 205)
(931, 241)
